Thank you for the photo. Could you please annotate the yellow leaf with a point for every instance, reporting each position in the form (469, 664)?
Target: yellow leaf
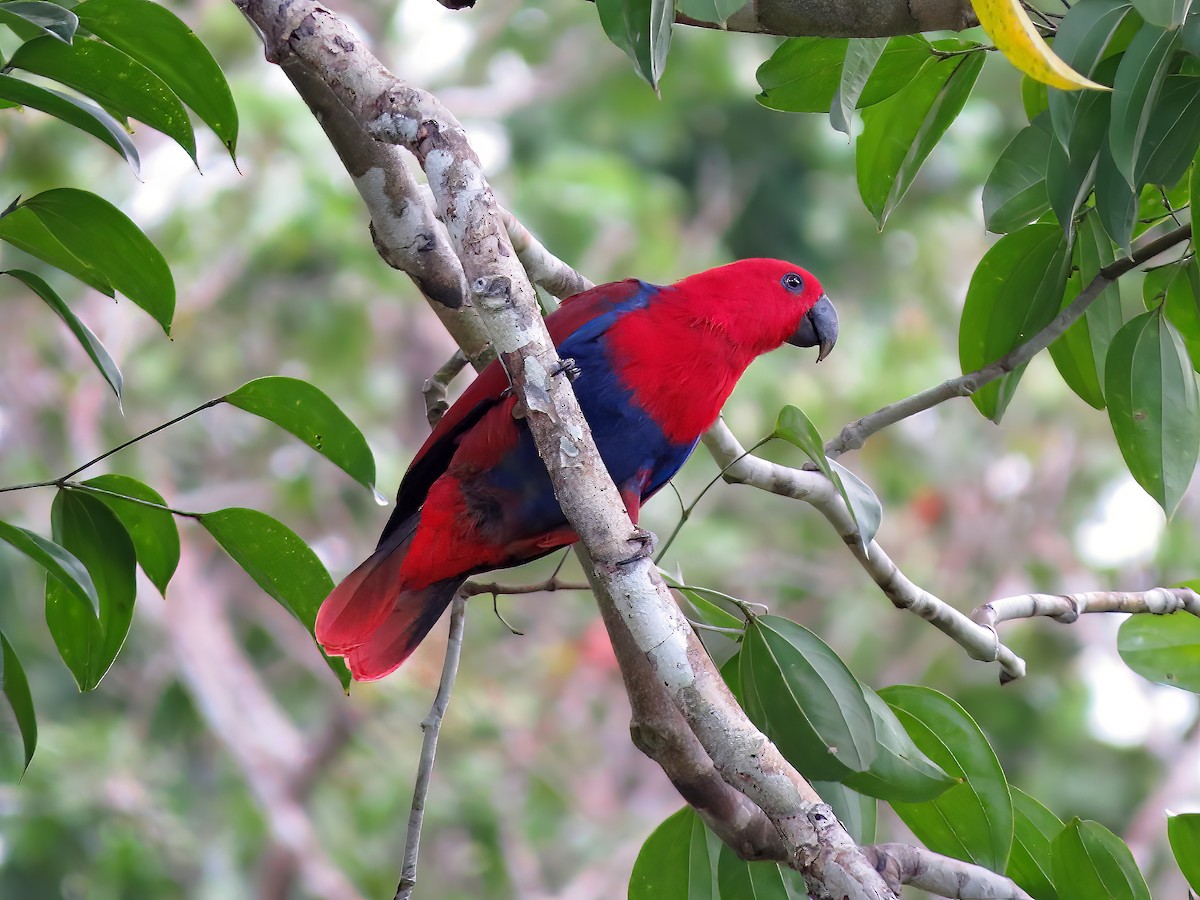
(1009, 27)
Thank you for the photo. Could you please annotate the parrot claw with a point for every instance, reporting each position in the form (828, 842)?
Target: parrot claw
(566, 366)
(646, 542)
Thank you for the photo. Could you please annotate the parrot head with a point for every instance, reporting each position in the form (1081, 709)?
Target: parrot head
(764, 303)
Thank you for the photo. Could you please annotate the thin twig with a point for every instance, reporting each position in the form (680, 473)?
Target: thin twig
(431, 726)
(495, 588)
(434, 389)
(941, 875)
(856, 433)
(1066, 608)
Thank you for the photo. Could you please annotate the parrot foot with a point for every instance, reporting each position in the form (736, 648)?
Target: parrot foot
(566, 366)
(646, 541)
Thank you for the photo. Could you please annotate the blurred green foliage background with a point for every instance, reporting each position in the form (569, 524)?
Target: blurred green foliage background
(152, 786)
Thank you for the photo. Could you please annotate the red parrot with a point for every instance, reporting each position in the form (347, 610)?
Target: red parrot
(654, 365)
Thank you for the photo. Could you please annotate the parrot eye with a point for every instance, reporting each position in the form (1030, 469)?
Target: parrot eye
(792, 282)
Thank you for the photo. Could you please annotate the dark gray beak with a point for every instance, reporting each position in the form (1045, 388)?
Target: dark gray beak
(818, 329)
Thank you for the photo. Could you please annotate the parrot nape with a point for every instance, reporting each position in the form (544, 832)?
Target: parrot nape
(654, 367)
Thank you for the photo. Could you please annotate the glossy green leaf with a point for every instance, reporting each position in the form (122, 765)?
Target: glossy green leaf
(39, 18)
(857, 812)
(972, 821)
(1079, 354)
(1183, 308)
(1031, 863)
(23, 229)
(279, 562)
(900, 771)
(677, 862)
(155, 37)
(107, 241)
(1163, 13)
(1153, 406)
(1163, 649)
(805, 699)
(797, 429)
(899, 133)
(1015, 192)
(803, 74)
(1082, 41)
(153, 531)
(1090, 861)
(90, 343)
(15, 686)
(1184, 834)
(904, 58)
(741, 880)
(1172, 132)
(55, 559)
(1071, 172)
(1035, 97)
(88, 643)
(117, 82)
(74, 111)
(861, 56)
(306, 412)
(1015, 292)
(714, 11)
(1136, 89)
(642, 28)
(1116, 202)
(1194, 176)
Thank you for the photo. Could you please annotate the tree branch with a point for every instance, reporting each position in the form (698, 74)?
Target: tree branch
(1067, 608)
(839, 18)
(856, 433)
(818, 846)
(941, 875)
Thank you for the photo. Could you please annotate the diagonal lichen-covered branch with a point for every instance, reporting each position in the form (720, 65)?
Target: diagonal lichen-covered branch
(818, 846)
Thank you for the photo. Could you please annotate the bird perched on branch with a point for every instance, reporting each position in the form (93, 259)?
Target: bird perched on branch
(654, 366)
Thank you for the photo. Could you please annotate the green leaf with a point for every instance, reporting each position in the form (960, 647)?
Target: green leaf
(1163, 649)
(16, 691)
(39, 18)
(120, 84)
(74, 111)
(1079, 354)
(1035, 97)
(1183, 307)
(88, 643)
(797, 429)
(899, 133)
(60, 562)
(155, 37)
(677, 862)
(1090, 861)
(1015, 192)
(23, 229)
(1015, 292)
(1083, 38)
(306, 412)
(642, 28)
(1116, 201)
(861, 56)
(741, 880)
(1194, 178)
(972, 821)
(1164, 13)
(715, 11)
(279, 562)
(90, 343)
(805, 699)
(153, 531)
(857, 812)
(1153, 406)
(1071, 171)
(803, 74)
(906, 57)
(900, 771)
(1184, 833)
(107, 241)
(1139, 81)
(1172, 132)
(1030, 864)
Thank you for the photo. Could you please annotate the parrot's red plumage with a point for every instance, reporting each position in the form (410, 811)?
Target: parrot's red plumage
(655, 366)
